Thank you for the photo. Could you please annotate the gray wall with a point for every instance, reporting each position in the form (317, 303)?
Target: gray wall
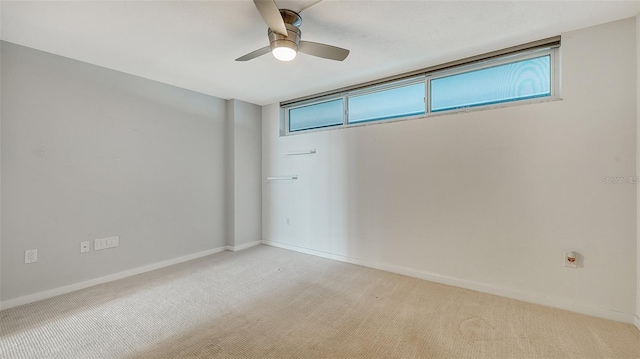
(87, 153)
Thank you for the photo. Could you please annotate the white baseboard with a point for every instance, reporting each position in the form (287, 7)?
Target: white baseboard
(243, 246)
(636, 321)
(108, 278)
(480, 287)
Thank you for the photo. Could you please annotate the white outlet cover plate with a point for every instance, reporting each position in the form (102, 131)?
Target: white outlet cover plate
(31, 256)
(84, 246)
(104, 243)
(569, 264)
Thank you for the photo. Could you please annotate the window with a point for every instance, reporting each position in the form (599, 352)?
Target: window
(513, 81)
(396, 102)
(521, 73)
(316, 115)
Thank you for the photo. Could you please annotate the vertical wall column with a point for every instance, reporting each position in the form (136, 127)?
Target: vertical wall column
(637, 318)
(244, 171)
(0, 155)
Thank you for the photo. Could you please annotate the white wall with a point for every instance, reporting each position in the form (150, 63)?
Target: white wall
(488, 200)
(244, 191)
(88, 153)
(0, 162)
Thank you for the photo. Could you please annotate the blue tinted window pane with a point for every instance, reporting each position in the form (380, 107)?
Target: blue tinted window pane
(397, 102)
(317, 115)
(515, 81)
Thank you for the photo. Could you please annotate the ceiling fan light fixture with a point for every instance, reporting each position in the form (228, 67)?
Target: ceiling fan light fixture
(284, 36)
(284, 50)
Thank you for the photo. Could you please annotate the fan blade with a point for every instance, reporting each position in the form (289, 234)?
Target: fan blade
(271, 15)
(254, 54)
(323, 50)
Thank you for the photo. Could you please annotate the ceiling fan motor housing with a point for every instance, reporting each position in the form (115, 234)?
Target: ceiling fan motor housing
(292, 21)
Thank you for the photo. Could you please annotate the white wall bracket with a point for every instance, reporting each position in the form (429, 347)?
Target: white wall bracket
(282, 178)
(305, 152)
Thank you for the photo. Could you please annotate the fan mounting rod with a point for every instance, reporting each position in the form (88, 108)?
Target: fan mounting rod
(291, 17)
(287, 45)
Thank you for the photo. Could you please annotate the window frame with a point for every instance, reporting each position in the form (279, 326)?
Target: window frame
(552, 51)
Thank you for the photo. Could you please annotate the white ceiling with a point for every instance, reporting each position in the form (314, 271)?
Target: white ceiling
(193, 44)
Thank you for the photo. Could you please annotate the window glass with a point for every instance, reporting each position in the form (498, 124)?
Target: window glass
(316, 115)
(396, 102)
(510, 82)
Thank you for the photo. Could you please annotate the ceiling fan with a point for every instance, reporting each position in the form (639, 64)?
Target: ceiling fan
(284, 36)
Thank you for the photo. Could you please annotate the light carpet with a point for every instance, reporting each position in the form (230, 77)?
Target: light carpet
(267, 302)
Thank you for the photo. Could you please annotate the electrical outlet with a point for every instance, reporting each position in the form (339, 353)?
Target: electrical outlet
(104, 243)
(570, 260)
(84, 246)
(31, 256)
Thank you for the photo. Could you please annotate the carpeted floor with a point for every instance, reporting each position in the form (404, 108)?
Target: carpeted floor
(267, 302)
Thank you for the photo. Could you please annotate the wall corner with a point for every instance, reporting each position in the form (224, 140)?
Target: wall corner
(229, 173)
(637, 316)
